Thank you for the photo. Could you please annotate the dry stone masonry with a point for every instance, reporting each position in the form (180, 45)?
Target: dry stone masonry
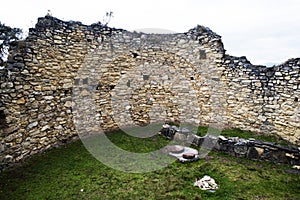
(239, 147)
(186, 76)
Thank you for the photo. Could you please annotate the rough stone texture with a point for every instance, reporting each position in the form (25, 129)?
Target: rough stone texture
(36, 105)
(239, 147)
(264, 99)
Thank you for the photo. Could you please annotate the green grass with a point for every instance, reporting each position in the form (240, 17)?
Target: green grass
(71, 172)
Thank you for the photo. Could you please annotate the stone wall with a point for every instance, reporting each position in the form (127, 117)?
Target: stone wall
(64, 69)
(239, 147)
(264, 99)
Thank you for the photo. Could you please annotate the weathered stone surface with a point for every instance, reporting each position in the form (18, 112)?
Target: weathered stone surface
(241, 148)
(187, 76)
(31, 125)
(179, 137)
(259, 150)
(248, 148)
(21, 101)
(206, 183)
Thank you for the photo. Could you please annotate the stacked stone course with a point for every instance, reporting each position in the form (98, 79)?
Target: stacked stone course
(37, 84)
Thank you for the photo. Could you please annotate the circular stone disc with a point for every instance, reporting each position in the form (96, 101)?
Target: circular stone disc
(188, 155)
(175, 149)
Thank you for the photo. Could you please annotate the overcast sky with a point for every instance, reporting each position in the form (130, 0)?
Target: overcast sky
(265, 31)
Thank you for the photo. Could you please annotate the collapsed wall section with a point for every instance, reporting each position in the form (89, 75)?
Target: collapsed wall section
(264, 99)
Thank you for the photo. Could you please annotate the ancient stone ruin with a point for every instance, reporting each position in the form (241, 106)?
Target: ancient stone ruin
(239, 147)
(37, 110)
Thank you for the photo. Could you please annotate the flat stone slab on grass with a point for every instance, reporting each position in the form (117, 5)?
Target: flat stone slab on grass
(186, 150)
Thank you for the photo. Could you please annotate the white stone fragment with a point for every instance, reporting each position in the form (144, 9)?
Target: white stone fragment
(166, 126)
(296, 167)
(206, 183)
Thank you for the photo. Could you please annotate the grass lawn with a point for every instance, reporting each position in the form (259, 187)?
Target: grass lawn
(71, 172)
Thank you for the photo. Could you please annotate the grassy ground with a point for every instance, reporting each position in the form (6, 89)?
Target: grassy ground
(71, 172)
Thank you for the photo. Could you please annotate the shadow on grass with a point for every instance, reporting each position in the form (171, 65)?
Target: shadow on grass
(71, 172)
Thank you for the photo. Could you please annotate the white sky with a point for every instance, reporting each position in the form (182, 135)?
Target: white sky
(266, 31)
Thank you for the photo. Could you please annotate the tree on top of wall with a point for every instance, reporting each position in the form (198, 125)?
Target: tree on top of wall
(7, 35)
